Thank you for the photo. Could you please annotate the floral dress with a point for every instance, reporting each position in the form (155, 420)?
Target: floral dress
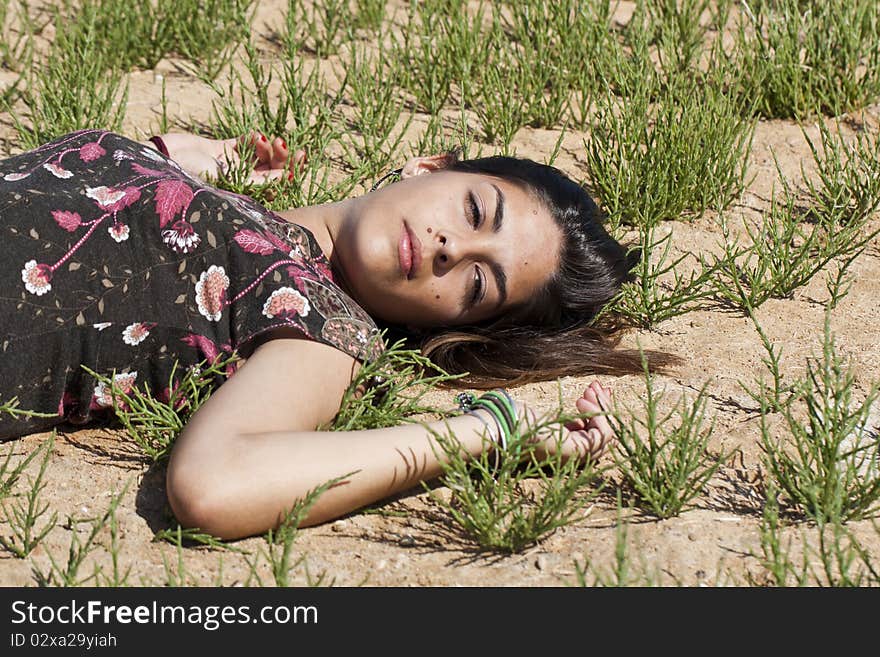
(114, 258)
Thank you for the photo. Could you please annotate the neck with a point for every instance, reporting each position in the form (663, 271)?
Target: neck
(325, 222)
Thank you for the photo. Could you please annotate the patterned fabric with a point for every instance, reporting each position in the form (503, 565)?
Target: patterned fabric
(113, 257)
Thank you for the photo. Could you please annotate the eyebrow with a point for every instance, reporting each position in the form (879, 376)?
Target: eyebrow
(499, 210)
(497, 269)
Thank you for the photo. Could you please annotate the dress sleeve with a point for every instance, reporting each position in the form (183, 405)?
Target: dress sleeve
(294, 288)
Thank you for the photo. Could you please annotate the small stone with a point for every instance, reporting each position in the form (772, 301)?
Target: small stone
(382, 564)
(700, 574)
(338, 526)
(406, 541)
(541, 562)
(692, 537)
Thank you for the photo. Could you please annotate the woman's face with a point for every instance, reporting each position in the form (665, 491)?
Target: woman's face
(446, 248)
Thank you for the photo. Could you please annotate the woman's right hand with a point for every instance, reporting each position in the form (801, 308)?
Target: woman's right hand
(208, 158)
(582, 437)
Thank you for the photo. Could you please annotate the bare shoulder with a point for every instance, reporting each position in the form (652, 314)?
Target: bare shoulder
(288, 383)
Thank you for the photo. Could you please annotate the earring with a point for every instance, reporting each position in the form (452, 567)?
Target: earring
(396, 174)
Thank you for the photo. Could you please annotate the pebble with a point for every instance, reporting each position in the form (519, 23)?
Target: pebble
(406, 541)
(382, 564)
(541, 562)
(692, 537)
(338, 526)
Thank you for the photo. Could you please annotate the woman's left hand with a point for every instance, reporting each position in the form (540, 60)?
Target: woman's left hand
(582, 437)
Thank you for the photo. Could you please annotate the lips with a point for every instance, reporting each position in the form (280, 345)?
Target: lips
(409, 252)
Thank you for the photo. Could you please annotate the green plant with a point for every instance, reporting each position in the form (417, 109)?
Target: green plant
(369, 14)
(844, 562)
(376, 115)
(23, 517)
(648, 300)
(208, 32)
(680, 31)
(775, 558)
(663, 459)
(828, 468)
(279, 541)
(79, 549)
(192, 536)
(660, 154)
(321, 25)
(527, 495)
(621, 573)
(153, 424)
(9, 474)
(780, 393)
(12, 408)
(16, 48)
(389, 390)
(848, 187)
(72, 89)
(799, 58)
(783, 254)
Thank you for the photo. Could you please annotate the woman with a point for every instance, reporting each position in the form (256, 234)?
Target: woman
(132, 264)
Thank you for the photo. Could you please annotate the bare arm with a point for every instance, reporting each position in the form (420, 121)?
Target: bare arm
(206, 158)
(252, 449)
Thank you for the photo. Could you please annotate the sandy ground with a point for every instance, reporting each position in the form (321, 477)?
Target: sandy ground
(406, 542)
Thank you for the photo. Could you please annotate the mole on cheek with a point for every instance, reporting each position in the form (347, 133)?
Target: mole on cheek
(437, 296)
(430, 230)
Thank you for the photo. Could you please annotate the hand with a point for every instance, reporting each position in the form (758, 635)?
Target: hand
(209, 158)
(271, 158)
(582, 437)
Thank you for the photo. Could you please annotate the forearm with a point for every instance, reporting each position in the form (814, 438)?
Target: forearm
(251, 480)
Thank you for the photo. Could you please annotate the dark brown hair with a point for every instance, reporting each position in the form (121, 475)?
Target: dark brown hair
(562, 331)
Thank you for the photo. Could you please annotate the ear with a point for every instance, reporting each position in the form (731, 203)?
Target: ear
(416, 166)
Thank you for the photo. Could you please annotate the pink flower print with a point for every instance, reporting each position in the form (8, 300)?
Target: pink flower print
(172, 196)
(91, 151)
(102, 325)
(36, 277)
(211, 292)
(102, 397)
(119, 232)
(129, 196)
(286, 302)
(67, 401)
(69, 221)
(203, 344)
(12, 177)
(136, 333)
(252, 242)
(322, 268)
(57, 171)
(181, 237)
(105, 196)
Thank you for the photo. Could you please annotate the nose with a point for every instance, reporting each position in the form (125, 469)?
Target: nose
(448, 253)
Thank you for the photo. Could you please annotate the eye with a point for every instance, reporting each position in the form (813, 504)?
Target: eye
(474, 209)
(479, 286)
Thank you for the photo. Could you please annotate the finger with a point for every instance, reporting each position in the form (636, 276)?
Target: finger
(280, 154)
(257, 144)
(577, 424)
(599, 420)
(297, 164)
